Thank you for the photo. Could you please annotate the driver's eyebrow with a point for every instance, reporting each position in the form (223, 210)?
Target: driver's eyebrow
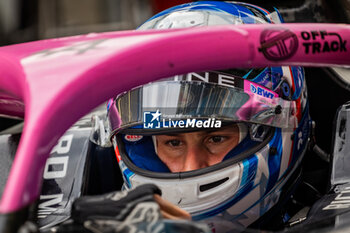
(213, 130)
(201, 132)
(217, 130)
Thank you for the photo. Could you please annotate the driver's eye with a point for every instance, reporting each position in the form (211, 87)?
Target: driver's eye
(216, 139)
(174, 143)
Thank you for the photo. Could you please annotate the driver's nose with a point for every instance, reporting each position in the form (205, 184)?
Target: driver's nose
(196, 158)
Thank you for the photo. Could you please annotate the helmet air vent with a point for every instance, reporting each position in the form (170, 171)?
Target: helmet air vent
(206, 187)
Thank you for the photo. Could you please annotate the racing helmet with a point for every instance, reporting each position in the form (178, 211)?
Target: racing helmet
(267, 107)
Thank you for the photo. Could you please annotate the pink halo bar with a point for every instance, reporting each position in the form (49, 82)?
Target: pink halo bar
(60, 80)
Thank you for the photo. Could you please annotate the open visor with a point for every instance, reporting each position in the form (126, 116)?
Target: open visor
(193, 104)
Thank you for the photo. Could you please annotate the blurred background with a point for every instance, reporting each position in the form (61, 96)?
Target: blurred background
(27, 20)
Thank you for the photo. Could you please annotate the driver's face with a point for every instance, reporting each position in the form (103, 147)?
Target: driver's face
(191, 151)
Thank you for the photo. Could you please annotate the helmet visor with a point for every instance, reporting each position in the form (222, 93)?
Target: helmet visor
(179, 105)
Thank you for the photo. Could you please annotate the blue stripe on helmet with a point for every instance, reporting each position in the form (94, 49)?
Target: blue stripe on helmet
(231, 8)
(276, 76)
(263, 78)
(258, 201)
(127, 174)
(250, 166)
(298, 74)
(279, 15)
(245, 173)
(245, 14)
(203, 5)
(261, 10)
(274, 160)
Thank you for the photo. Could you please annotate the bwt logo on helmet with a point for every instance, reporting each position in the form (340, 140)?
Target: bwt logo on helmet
(261, 91)
(327, 42)
(152, 120)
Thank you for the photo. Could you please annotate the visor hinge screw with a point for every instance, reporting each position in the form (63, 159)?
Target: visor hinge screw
(278, 109)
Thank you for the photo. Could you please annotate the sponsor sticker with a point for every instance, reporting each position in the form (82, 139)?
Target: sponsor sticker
(133, 138)
(259, 90)
(278, 44)
(322, 42)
